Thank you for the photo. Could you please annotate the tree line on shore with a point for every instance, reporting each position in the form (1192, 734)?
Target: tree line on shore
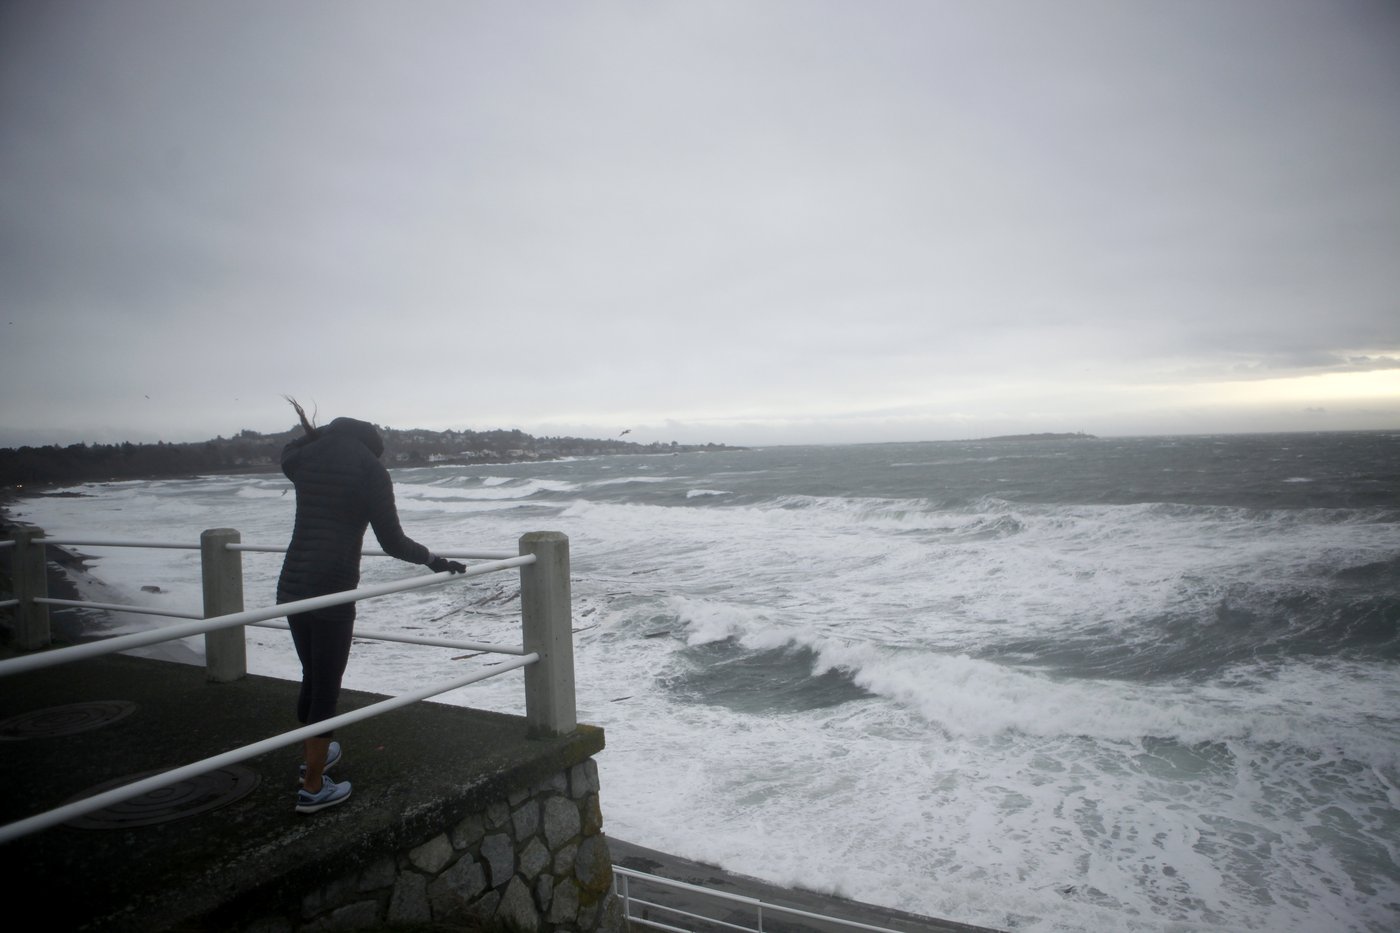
(250, 451)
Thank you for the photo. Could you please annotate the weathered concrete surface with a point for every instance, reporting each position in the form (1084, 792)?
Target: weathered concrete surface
(414, 771)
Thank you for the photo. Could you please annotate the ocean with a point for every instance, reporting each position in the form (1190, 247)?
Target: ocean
(1143, 684)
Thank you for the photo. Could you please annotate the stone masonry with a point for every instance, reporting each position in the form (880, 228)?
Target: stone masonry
(536, 862)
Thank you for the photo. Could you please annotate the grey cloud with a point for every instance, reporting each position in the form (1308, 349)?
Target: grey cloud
(637, 210)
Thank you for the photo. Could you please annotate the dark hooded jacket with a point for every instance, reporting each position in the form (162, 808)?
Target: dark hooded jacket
(341, 488)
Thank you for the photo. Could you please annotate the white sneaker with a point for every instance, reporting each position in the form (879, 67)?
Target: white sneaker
(329, 795)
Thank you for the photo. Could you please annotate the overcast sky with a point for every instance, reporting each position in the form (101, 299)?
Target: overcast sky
(755, 221)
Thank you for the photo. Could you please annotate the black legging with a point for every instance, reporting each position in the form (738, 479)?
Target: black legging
(323, 645)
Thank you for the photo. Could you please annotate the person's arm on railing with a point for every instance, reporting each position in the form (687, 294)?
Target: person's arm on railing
(384, 519)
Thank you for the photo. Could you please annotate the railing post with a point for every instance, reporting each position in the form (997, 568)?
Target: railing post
(31, 582)
(546, 612)
(225, 652)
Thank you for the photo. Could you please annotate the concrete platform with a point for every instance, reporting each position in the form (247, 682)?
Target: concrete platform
(410, 770)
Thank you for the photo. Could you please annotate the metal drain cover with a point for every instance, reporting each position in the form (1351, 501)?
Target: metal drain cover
(64, 720)
(186, 798)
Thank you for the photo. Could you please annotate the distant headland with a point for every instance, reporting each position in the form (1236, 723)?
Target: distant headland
(1074, 436)
(252, 452)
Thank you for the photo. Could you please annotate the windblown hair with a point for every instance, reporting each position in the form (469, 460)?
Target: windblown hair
(307, 424)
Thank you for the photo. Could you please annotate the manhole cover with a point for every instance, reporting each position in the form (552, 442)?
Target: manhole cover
(194, 795)
(65, 720)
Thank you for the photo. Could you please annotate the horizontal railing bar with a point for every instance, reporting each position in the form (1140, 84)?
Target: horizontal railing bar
(268, 548)
(7, 603)
(265, 548)
(127, 791)
(684, 913)
(693, 888)
(117, 607)
(359, 633)
(378, 552)
(744, 899)
(8, 542)
(108, 542)
(247, 617)
(416, 640)
(656, 924)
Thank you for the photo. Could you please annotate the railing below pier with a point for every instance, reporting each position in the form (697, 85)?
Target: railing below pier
(691, 907)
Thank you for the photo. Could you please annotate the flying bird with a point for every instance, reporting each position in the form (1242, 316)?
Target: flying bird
(625, 431)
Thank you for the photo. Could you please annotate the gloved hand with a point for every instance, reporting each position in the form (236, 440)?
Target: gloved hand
(439, 564)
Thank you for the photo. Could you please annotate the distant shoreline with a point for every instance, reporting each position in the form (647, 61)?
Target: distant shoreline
(251, 452)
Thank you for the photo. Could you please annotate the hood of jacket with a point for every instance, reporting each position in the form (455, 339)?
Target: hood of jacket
(362, 431)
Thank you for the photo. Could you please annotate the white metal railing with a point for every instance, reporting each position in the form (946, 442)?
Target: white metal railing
(633, 908)
(244, 548)
(546, 652)
(376, 552)
(115, 607)
(123, 542)
(60, 541)
(263, 549)
(374, 635)
(109, 798)
(202, 626)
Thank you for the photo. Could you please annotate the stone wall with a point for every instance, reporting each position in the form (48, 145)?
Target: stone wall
(535, 861)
